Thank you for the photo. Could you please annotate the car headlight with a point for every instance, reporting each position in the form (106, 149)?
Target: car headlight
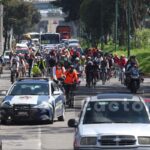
(88, 141)
(6, 104)
(144, 140)
(42, 105)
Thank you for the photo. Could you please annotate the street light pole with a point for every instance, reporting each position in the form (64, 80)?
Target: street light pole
(129, 27)
(1, 29)
(116, 24)
(102, 32)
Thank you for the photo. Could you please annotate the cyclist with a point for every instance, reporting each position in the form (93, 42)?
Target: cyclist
(83, 62)
(104, 66)
(14, 58)
(70, 81)
(30, 62)
(51, 62)
(89, 73)
(77, 64)
(58, 72)
(22, 67)
(122, 64)
(95, 71)
(36, 72)
(42, 65)
(116, 59)
(14, 65)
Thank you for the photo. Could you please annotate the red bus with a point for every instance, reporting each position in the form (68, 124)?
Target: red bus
(64, 31)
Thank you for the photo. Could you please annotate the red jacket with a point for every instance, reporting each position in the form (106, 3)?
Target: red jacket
(122, 62)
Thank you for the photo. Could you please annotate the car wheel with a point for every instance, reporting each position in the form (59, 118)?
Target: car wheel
(62, 118)
(51, 121)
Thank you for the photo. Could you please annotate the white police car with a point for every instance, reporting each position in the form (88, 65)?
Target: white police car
(112, 121)
(33, 99)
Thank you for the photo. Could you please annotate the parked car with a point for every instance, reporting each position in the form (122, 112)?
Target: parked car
(6, 57)
(33, 99)
(112, 121)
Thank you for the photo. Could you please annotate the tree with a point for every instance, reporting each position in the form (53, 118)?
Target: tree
(27, 17)
(97, 19)
(139, 9)
(3, 2)
(69, 7)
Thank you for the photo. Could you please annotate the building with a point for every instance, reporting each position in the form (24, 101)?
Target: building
(50, 15)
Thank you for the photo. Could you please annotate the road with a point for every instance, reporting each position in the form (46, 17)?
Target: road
(56, 136)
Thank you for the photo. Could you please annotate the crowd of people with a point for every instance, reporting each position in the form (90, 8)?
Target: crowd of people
(69, 64)
(55, 63)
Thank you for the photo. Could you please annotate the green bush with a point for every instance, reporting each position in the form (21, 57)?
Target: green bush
(141, 39)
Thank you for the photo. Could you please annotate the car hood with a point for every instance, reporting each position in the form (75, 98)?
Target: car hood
(27, 99)
(115, 129)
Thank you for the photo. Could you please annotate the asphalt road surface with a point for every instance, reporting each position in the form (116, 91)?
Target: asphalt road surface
(56, 136)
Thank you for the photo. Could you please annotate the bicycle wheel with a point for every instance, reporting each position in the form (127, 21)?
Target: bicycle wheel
(122, 77)
(89, 81)
(13, 77)
(103, 78)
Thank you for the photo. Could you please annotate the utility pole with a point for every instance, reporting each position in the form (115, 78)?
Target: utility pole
(116, 24)
(102, 32)
(129, 27)
(1, 29)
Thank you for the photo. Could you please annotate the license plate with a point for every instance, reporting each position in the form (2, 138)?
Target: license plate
(22, 113)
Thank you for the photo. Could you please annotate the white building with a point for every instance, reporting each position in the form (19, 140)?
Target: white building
(50, 15)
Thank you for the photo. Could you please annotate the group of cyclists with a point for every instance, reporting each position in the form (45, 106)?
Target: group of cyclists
(67, 65)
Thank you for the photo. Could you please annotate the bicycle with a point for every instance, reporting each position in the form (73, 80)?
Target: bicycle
(69, 88)
(90, 80)
(122, 75)
(13, 76)
(116, 70)
(103, 76)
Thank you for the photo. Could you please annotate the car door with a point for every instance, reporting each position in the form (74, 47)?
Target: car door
(58, 101)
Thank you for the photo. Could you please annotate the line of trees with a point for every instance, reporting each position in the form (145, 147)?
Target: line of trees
(96, 18)
(19, 16)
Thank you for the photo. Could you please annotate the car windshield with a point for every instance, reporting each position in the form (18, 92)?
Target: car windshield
(50, 39)
(75, 41)
(115, 112)
(30, 89)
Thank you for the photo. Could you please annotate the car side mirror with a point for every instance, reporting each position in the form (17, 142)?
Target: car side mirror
(56, 92)
(72, 123)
